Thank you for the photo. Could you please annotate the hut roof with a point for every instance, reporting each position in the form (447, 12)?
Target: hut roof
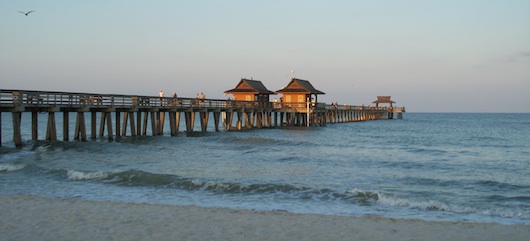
(301, 86)
(383, 99)
(249, 86)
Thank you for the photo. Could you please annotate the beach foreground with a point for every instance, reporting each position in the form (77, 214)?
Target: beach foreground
(38, 218)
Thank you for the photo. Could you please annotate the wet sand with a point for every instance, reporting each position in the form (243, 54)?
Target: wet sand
(37, 218)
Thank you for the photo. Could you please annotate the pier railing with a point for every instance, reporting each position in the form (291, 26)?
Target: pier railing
(18, 98)
(28, 98)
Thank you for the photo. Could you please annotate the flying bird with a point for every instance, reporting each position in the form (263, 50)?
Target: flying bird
(26, 13)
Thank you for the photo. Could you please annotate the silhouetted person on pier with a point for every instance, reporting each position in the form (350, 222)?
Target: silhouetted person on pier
(203, 97)
(161, 94)
(175, 100)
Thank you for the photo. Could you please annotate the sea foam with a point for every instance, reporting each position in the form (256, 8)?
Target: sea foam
(79, 175)
(8, 167)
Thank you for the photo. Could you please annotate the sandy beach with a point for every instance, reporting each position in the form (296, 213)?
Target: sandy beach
(37, 218)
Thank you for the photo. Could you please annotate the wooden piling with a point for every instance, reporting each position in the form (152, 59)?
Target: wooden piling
(172, 124)
(34, 125)
(154, 127)
(17, 135)
(124, 126)
(0, 128)
(93, 121)
(139, 122)
(204, 120)
(228, 120)
(109, 126)
(51, 130)
(80, 129)
(66, 122)
(144, 127)
(161, 121)
(247, 119)
(239, 120)
(132, 124)
(177, 122)
(102, 123)
(118, 126)
(190, 120)
(216, 117)
(106, 119)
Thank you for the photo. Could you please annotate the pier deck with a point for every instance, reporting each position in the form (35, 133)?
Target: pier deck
(140, 111)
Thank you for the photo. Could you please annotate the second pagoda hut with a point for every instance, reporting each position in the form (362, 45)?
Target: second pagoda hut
(297, 93)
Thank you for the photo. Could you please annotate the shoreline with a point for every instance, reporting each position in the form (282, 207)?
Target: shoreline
(25, 217)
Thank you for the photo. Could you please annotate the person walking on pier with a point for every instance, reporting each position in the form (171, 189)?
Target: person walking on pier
(203, 97)
(174, 102)
(161, 94)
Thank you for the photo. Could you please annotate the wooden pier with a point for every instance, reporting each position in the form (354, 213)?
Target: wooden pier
(132, 115)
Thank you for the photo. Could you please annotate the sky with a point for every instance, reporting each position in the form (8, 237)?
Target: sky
(430, 56)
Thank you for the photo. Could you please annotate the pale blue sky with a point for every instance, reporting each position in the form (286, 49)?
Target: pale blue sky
(439, 56)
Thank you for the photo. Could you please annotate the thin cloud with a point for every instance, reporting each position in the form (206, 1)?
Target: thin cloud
(517, 56)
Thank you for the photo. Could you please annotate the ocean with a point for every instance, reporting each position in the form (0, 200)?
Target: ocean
(470, 167)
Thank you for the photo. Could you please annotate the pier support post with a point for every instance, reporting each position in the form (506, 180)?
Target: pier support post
(51, 131)
(161, 116)
(190, 121)
(34, 125)
(177, 122)
(154, 130)
(172, 118)
(66, 122)
(128, 117)
(93, 121)
(253, 117)
(144, 128)
(248, 119)
(109, 125)
(118, 120)
(102, 123)
(133, 127)
(124, 126)
(80, 128)
(139, 122)
(106, 119)
(239, 117)
(269, 118)
(258, 119)
(216, 117)
(229, 115)
(204, 120)
(17, 135)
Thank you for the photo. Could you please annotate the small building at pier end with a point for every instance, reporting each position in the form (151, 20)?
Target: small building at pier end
(250, 90)
(297, 93)
(389, 104)
(384, 100)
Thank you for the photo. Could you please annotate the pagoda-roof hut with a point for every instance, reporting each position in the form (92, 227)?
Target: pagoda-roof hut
(250, 90)
(383, 100)
(298, 90)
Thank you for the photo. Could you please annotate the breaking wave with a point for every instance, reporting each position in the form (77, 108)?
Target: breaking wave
(513, 208)
(78, 175)
(8, 167)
